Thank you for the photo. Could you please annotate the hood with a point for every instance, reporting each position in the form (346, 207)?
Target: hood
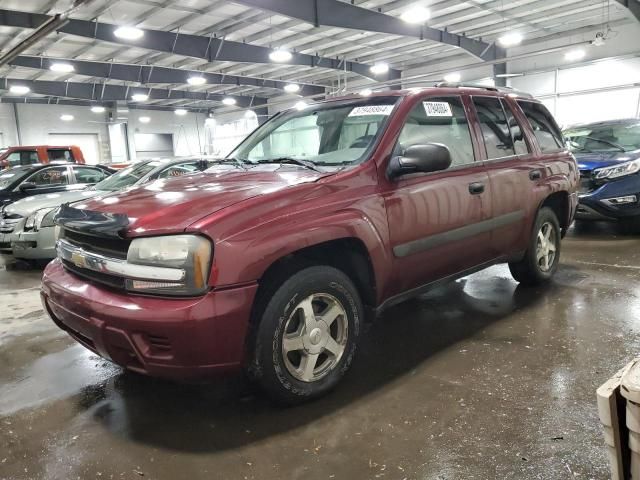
(590, 160)
(174, 204)
(28, 205)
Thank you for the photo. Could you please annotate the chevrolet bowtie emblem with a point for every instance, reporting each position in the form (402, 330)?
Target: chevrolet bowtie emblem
(79, 260)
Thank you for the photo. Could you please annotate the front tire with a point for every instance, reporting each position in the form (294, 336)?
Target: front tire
(631, 226)
(542, 257)
(307, 336)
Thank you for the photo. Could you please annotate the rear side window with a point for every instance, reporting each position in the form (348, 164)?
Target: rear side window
(89, 175)
(179, 170)
(495, 128)
(439, 120)
(517, 134)
(544, 126)
(60, 155)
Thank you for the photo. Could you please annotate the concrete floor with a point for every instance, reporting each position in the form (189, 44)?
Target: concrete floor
(481, 379)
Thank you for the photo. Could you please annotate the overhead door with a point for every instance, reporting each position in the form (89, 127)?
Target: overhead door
(88, 143)
(150, 145)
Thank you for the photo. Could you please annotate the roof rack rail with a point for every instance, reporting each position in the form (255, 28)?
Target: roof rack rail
(484, 87)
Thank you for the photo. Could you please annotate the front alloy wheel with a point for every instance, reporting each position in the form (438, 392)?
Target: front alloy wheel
(315, 337)
(306, 336)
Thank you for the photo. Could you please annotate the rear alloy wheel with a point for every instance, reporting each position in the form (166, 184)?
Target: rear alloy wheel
(307, 336)
(541, 259)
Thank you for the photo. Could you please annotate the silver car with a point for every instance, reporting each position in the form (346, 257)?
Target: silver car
(27, 230)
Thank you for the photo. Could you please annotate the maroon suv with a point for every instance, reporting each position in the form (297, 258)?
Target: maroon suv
(273, 258)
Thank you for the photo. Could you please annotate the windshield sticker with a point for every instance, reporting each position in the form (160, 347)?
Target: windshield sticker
(371, 110)
(437, 109)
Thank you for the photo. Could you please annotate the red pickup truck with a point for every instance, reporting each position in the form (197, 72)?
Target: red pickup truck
(29, 155)
(273, 258)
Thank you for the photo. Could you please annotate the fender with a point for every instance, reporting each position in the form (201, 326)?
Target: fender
(245, 257)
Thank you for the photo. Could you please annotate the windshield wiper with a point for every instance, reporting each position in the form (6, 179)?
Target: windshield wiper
(231, 160)
(606, 142)
(293, 161)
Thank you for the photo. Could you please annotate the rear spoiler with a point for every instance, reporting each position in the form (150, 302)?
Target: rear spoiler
(92, 223)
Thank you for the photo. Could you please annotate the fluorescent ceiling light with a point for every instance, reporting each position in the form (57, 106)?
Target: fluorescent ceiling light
(510, 39)
(292, 88)
(66, 118)
(144, 119)
(196, 80)
(379, 68)
(97, 109)
(180, 111)
(128, 33)
(366, 92)
(452, 77)
(229, 101)
(140, 97)
(61, 67)
(300, 105)
(574, 55)
(509, 75)
(280, 55)
(19, 89)
(416, 14)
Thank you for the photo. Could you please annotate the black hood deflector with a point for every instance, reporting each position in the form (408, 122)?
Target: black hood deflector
(92, 223)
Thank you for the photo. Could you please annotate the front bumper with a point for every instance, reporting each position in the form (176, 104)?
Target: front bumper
(178, 338)
(40, 245)
(593, 205)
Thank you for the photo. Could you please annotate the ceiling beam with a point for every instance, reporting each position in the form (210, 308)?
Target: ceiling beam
(196, 46)
(633, 6)
(103, 92)
(335, 13)
(150, 74)
(88, 103)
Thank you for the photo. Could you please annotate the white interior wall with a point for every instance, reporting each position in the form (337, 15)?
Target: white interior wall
(7, 125)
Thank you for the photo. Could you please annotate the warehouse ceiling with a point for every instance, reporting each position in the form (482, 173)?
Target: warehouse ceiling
(228, 44)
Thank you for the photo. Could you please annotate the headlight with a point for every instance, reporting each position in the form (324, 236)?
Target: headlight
(40, 219)
(189, 253)
(620, 170)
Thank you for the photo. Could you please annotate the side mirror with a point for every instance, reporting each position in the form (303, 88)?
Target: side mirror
(27, 186)
(431, 157)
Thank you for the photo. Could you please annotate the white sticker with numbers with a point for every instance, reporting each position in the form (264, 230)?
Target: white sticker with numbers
(371, 110)
(437, 109)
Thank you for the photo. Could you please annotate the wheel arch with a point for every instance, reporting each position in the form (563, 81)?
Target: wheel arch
(559, 203)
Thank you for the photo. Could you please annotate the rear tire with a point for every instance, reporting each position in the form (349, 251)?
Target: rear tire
(541, 259)
(307, 336)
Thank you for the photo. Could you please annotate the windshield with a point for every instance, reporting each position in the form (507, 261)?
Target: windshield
(621, 137)
(127, 177)
(9, 176)
(330, 134)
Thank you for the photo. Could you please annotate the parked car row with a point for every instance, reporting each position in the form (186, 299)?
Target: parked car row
(31, 155)
(27, 230)
(272, 259)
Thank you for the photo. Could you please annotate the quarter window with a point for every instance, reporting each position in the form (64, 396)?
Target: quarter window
(544, 126)
(439, 120)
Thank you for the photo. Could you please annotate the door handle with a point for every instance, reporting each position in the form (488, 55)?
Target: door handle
(535, 175)
(476, 188)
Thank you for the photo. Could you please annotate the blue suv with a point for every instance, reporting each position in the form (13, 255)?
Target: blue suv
(608, 155)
